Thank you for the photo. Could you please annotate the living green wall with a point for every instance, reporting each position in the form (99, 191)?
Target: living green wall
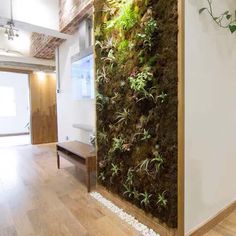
(136, 76)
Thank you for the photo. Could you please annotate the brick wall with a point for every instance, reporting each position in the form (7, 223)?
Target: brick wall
(70, 14)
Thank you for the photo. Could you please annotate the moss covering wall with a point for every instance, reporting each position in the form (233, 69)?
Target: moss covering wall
(136, 64)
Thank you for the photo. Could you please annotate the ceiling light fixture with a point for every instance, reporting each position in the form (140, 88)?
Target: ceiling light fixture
(10, 30)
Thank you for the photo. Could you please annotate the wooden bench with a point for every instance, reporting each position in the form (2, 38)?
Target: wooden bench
(80, 154)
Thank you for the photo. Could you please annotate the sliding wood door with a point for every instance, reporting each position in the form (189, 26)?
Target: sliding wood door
(43, 108)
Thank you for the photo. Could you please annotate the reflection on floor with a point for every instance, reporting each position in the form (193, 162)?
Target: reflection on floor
(36, 199)
(10, 141)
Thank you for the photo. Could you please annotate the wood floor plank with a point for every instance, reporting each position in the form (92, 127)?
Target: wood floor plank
(37, 199)
(226, 228)
(8, 231)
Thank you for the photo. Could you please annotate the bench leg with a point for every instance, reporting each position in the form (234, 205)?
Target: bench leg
(88, 181)
(58, 161)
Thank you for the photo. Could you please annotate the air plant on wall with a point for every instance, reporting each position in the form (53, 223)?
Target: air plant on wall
(135, 194)
(123, 117)
(102, 76)
(162, 97)
(115, 170)
(117, 144)
(144, 165)
(102, 137)
(158, 161)
(105, 45)
(128, 190)
(101, 101)
(145, 198)
(110, 57)
(130, 176)
(146, 135)
(115, 98)
(102, 176)
(161, 200)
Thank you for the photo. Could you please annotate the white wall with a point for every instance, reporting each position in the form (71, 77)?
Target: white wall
(69, 111)
(210, 115)
(44, 13)
(16, 124)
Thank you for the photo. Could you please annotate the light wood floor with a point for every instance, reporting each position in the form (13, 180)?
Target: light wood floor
(226, 228)
(36, 199)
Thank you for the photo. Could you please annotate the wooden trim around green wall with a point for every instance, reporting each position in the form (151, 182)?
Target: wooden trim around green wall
(181, 112)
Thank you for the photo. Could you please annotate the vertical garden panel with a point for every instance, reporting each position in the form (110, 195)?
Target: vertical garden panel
(137, 107)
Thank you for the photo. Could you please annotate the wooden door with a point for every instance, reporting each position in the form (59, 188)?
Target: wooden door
(43, 108)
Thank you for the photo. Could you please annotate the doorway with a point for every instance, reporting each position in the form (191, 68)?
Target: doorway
(14, 109)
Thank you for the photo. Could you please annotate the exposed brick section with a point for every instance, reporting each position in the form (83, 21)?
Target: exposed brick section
(43, 46)
(71, 12)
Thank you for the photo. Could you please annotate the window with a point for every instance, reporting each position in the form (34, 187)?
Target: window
(7, 102)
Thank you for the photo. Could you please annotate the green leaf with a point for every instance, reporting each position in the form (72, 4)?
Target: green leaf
(202, 9)
(232, 28)
(226, 13)
(228, 16)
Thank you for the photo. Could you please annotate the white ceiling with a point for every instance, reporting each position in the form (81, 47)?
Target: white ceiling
(43, 13)
(20, 44)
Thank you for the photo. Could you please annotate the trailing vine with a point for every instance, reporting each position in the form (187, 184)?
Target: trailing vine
(225, 20)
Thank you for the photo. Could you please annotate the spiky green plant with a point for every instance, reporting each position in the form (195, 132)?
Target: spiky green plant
(115, 169)
(128, 190)
(146, 135)
(158, 161)
(145, 198)
(102, 137)
(102, 176)
(130, 176)
(115, 98)
(117, 144)
(135, 194)
(110, 57)
(161, 200)
(101, 101)
(144, 165)
(162, 97)
(123, 117)
(105, 45)
(102, 76)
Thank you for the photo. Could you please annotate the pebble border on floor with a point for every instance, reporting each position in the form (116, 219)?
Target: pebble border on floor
(143, 229)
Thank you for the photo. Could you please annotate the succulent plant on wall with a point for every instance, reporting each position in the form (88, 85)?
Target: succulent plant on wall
(136, 64)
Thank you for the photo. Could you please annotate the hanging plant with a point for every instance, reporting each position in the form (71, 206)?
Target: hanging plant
(225, 20)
